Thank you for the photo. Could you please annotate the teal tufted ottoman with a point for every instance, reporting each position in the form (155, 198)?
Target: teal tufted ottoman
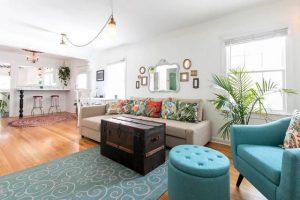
(197, 173)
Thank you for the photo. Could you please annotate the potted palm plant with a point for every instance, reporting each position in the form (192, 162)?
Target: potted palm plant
(239, 97)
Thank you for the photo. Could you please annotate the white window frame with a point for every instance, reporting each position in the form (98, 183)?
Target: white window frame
(124, 60)
(6, 67)
(283, 32)
(86, 84)
(54, 80)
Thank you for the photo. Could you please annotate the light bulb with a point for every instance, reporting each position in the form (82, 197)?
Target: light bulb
(62, 41)
(112, 27)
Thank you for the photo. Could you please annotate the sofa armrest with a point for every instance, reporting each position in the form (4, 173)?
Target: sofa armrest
(199, 133)
(91, 111)
(290, 175)
(270, 134)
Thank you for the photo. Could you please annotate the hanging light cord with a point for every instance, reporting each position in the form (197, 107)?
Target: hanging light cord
(83, 45)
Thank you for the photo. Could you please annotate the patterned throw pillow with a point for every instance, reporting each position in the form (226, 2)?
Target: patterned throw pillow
(115, 107)
(168, 110)
(153, 109)
(126, 109)
(138, 107)
(292, 136)
(187, 111)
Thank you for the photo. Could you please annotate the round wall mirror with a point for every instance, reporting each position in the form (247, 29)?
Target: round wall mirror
(187, 63)
(142, 70)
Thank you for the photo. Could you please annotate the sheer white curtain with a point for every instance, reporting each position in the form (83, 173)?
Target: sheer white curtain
(115, 80)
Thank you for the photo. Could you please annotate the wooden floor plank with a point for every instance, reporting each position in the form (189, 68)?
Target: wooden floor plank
(22, 148)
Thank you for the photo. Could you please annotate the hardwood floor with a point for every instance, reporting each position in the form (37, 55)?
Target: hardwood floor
(22, 148)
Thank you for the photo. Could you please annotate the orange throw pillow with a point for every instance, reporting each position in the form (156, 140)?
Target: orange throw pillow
(153, 109)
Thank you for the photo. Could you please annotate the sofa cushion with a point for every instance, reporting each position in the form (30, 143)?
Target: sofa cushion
(169, 110)
(292, 136)
(127, 106)
(187, 111)
(138, 107)
(265, 159)
(200, 103)
(94, 122)
(116, 107)
(176, 128)
(153, 109)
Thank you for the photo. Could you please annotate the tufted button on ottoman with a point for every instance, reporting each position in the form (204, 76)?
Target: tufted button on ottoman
(197, 173)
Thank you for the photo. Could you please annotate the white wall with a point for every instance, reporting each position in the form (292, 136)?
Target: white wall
(17, 59)
(203, 44)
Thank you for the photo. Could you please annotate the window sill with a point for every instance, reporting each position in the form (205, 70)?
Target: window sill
(278, 113)
(271, 115)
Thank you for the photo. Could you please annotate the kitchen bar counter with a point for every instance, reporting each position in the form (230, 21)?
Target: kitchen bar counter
(42, 89)
(45, 92)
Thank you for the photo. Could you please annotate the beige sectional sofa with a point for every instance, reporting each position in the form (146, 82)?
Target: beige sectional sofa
(177, 132)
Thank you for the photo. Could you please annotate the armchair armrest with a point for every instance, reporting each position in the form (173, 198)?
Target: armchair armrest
(290, 175)
(270, 134)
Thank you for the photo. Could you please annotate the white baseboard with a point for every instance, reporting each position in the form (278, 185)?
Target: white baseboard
(219, 140)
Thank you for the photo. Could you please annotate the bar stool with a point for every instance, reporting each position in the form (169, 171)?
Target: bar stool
(37, 104)
(54, 103)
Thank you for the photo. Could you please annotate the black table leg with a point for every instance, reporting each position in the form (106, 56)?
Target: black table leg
(21, 103)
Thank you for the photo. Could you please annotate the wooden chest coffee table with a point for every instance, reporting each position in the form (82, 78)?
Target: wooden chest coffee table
(137, 144)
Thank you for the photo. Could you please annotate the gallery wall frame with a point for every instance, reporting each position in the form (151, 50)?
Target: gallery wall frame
(184, 77)
(195, 83)
(144, 80)
(194, 72)
(187, 64)
(100, 75)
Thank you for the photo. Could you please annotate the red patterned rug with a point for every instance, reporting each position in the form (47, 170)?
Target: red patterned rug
(42, 120)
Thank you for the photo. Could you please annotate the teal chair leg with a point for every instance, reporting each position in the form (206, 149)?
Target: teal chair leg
(239, 181)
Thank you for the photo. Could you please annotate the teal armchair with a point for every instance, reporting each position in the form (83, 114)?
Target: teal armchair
(256, 154)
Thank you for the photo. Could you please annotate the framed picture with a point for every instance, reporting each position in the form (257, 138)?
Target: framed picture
(187, 63)
(194, 72)
(195, 83)
(142, 70)
(100, 75)
(137, 84)
(144, 80)
(184, 76)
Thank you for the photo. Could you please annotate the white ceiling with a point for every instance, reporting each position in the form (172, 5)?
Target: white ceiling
(36, 24)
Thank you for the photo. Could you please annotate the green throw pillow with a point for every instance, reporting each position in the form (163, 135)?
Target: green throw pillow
(138, 107)
(187, 111)
(169, 110)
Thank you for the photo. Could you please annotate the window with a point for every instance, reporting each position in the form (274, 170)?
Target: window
(263, 56)
(115, 82)
(81, 81)
(49, 77)
(4, 77)
(4, 82)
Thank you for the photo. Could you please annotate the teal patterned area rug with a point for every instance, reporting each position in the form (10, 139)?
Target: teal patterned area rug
(83, 175)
